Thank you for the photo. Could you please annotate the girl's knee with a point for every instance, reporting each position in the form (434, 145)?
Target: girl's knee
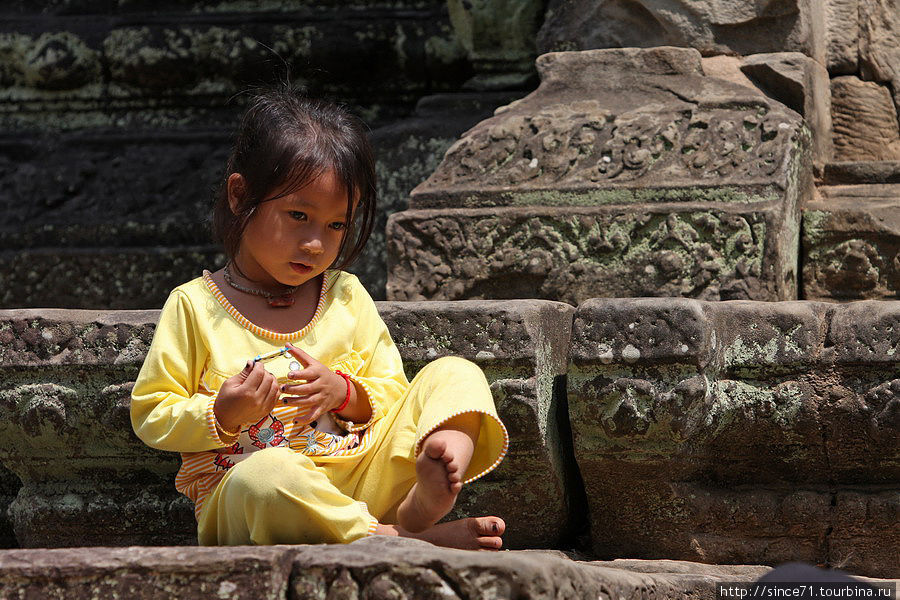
(450, 366)
(258, 476)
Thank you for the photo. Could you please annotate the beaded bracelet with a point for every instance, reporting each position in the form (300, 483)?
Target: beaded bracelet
(347, 399)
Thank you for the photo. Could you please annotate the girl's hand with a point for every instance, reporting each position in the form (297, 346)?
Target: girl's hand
(246, 397)
(324, 389)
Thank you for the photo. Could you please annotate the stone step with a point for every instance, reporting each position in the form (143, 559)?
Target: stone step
(378, 568)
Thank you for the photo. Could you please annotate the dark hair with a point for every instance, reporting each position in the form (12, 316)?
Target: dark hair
(286, 140)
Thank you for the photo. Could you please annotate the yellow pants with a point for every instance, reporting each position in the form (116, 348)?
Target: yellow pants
(279, 496)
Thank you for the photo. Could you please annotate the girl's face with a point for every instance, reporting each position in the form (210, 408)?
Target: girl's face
(292, 239)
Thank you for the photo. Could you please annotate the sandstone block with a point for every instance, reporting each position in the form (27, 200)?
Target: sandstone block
(379, 568)
(879, 43)
(842, 36)
(682, 185)
(862, 172)
(865, 121)
(570, 254)
(86, 479)
(721, 431)
(711, 26)
(146, 573)
(803, 85)
(851, 241)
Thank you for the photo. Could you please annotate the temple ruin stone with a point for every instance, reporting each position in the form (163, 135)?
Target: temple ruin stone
(626, 173)
(711, 26)
(865, 121)
(116, 122)
(720, 431)
(851, 242)
(378, 568)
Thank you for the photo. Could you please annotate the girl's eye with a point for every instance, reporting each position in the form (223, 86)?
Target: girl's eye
(296, 214)
(337, 226)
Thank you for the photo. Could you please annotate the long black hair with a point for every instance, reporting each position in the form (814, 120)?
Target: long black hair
(285, 140)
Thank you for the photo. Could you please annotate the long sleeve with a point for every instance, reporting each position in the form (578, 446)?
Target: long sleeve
(377, 367)
(170, 409)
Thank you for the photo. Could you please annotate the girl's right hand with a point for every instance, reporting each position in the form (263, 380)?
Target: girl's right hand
(246, 397)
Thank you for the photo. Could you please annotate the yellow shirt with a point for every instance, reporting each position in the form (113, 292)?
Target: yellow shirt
(201, 340)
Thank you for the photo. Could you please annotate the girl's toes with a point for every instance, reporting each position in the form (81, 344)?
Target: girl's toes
(435, 449)
(490, 543)
(489, 526)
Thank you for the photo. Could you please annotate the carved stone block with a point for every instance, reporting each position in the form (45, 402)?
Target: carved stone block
(628, 172)
(803, 85)
(406, 152)
(723, 431)
(86, 479)
(851, 243)
(712, 252)
(124, 65)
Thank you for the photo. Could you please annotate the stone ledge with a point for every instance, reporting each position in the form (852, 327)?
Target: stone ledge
(375, 568)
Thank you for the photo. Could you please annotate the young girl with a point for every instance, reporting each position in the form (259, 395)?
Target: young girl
(321, 438)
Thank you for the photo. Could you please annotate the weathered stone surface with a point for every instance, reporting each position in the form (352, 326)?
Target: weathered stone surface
(616, 119)
(851, 243)
(879, 43)
(721, 431)
(406, 152)
(175, 65)
(145, 573)
(862, 172)
(803, 85)
(842, 36)
(120, 278)
(523, 348)
(66, 433)
(865, 121)
(709, 251)
(671, 157)
(498, 36)
(710, 26)
(87, 480)
(379, 568)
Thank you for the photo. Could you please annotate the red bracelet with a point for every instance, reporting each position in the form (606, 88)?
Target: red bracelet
(347, 399)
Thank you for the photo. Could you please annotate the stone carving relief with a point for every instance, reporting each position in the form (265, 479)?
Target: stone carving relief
(582, 143)
(572, 257)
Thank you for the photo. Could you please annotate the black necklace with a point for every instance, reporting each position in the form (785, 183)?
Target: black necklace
(283, 300)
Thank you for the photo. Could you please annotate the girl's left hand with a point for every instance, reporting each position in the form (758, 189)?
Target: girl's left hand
(324, 389)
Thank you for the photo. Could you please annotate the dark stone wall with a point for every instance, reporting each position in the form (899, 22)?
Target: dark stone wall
(116, 120)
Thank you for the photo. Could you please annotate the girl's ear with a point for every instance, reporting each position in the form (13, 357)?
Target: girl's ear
(237, 192)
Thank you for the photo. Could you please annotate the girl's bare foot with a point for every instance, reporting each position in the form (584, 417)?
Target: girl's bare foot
(438, 481)
(472, 533)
